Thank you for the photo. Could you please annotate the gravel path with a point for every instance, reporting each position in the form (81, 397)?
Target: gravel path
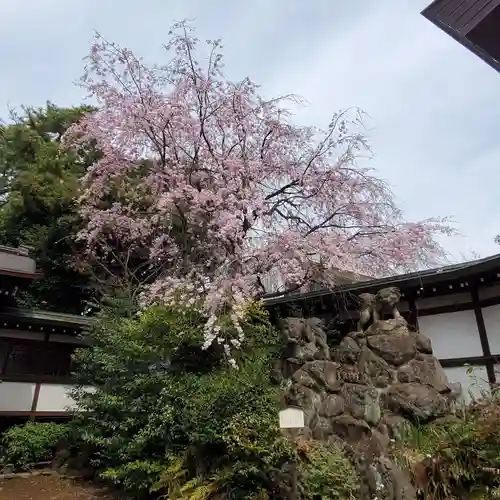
(51, 488)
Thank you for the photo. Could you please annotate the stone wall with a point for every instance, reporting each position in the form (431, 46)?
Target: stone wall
(364, 392)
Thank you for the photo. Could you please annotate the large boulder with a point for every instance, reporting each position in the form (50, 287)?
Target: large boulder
(362, 402)
(417, 402)
(394, 343)
(318, 374)
(425, 369)
(388, 481)
(373, 369)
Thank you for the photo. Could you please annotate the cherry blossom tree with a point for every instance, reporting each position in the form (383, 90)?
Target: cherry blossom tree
(215, 187)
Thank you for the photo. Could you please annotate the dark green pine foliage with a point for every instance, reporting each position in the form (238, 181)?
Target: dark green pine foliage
(38, 191)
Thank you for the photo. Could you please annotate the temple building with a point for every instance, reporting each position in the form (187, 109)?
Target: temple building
(35, 347)
(475, 24)
(457, 307)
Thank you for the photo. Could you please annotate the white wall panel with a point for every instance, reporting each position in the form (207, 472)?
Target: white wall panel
(474, 385)
(453, 335)
(491, 317)
(11, 260)
(54, 397)
(16, 396)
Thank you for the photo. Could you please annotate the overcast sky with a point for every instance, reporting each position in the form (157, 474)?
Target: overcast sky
(434, 108)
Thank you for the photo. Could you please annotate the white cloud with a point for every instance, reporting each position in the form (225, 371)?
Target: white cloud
(434, 107)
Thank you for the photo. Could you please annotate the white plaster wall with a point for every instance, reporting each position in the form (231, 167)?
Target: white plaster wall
(16, 396)
(491, 317)
(453, 335)
(55, 397)
(474, 385)
(11, 261)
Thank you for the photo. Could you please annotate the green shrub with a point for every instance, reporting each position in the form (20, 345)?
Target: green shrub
(169, 416)
(32, 442)
(327, 473)
(457, 458)
(138, 475)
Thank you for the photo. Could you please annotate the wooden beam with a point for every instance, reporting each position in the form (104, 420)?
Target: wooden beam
(38, 385)
(472, 361)
(36, 395)
(413, 313)
(39, 414)
(483, 336)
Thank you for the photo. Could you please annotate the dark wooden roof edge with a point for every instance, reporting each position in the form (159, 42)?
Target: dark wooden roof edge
(46, 317)
(415, 279)
(438, 14)
(430, 8)
(20, 274)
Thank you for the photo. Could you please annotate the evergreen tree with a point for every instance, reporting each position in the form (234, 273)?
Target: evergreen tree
(38, 190)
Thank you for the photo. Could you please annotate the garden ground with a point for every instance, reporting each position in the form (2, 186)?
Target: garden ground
(52, 488)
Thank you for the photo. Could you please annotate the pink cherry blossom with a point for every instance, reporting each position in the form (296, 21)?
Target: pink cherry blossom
(218, 187)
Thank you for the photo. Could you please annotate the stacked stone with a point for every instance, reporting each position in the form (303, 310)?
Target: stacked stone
(365, 392)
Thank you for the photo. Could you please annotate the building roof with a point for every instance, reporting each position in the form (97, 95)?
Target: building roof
(472, 23)
(46, 317)
(416, 279)
(17, 262)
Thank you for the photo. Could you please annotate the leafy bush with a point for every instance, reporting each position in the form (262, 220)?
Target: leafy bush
(327, 473)
(457, 457)
(170, 417)
(32, 442)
